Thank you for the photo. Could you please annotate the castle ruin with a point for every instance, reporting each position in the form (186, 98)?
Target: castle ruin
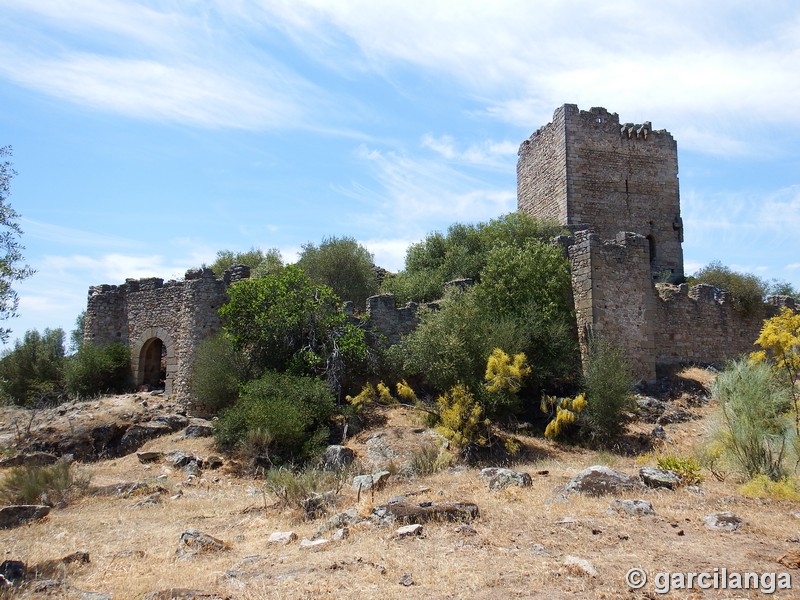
(615, 186)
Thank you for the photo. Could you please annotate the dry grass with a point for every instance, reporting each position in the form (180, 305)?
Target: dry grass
(518, 550)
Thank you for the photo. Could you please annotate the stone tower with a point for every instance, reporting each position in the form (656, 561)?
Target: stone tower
(589, 172)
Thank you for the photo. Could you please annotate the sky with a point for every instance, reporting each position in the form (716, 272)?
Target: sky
(147, 136)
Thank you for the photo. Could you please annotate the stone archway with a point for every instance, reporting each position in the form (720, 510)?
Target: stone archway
(153, 364)
(153, 359)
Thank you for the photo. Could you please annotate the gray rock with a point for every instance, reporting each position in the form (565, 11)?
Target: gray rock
(13, 571)
(377, 480)
(340, 534)
(199, 428)
(213, 462)
(580, 566)
(409, 530)
(183, 594)
(282, 537)
(637, 508)
(137, 435)
(500, 478)
(16, 515)
(196, 542)
(337, 458)
(31, 459)
(660, 478)
(402, 512)
(149, 456)
(174, 422)
(178, 458)
(313, 544)
(723, 521)
(599, 480)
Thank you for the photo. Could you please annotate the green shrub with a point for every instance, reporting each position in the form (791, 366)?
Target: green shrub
(217, 372)
(33, 372)
(94, 370)
(52, 485)
(607, 384)
(762, 486)
(756, 431)
(687, 467)
(342, 264)
(278, 419)
(747, 291)
(310, 490)
(430, 458)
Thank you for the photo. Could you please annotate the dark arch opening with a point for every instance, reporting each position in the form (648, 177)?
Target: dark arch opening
(652, 243)
(153, 363)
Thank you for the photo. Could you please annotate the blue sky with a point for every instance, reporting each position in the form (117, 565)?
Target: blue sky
(149, 135)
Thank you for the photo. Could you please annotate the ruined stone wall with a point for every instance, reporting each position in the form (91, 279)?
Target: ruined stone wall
(388, 321)
(588, 171)
(656, 325)
(542, 172)
(176, 316)
(614, 296)
(698, 325)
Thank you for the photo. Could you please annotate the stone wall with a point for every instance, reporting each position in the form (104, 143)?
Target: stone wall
(588, 171)
(656, 325)
(614, 296)
(162, 323)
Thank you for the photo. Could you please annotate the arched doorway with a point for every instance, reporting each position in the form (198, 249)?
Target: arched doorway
(153, 363)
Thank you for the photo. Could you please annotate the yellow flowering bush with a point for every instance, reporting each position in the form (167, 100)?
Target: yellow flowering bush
(504, 373)
(565, 413)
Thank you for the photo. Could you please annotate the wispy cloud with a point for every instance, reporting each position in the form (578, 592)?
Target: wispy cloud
(412, 191)
(495, 155)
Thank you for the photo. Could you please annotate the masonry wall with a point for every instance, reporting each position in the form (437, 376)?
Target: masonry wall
(613, 293)
(179, 314)
(588, 171)
(656, 325)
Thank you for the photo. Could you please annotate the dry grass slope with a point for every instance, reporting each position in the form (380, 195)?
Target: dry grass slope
(517, 550)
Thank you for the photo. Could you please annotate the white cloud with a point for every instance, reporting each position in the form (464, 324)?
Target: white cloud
(412, 191)
(497, 155)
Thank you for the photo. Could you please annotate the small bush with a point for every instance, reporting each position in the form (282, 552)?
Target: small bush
(756, 432)
(278, 419)
(310, 490)
(687, 467)
(607, 383)
(430, 458)
(762, 486)
(94, 370)
(217, 372)
(565, 413)
(52, 485)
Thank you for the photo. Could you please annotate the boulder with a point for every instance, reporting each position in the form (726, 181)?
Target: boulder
(637, 508)
(660, 478)
(409, 530)
(136, 436)
(31, 459)
(13, 572)
(196, 542)
(313, 544)
(403, 512)
(337, 458)
(282, 537)
(599, 480)
(199, 428)
(149, 456)
(723, 521)
(375, 481)
(16, 515)
(500, 478)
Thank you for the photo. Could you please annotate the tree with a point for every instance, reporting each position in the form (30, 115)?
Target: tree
(747, 291)
(10, 248)
(342, 264)
(33, 372)
(462, 253)
(283, 322)
(76, 335)
(227, 258)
